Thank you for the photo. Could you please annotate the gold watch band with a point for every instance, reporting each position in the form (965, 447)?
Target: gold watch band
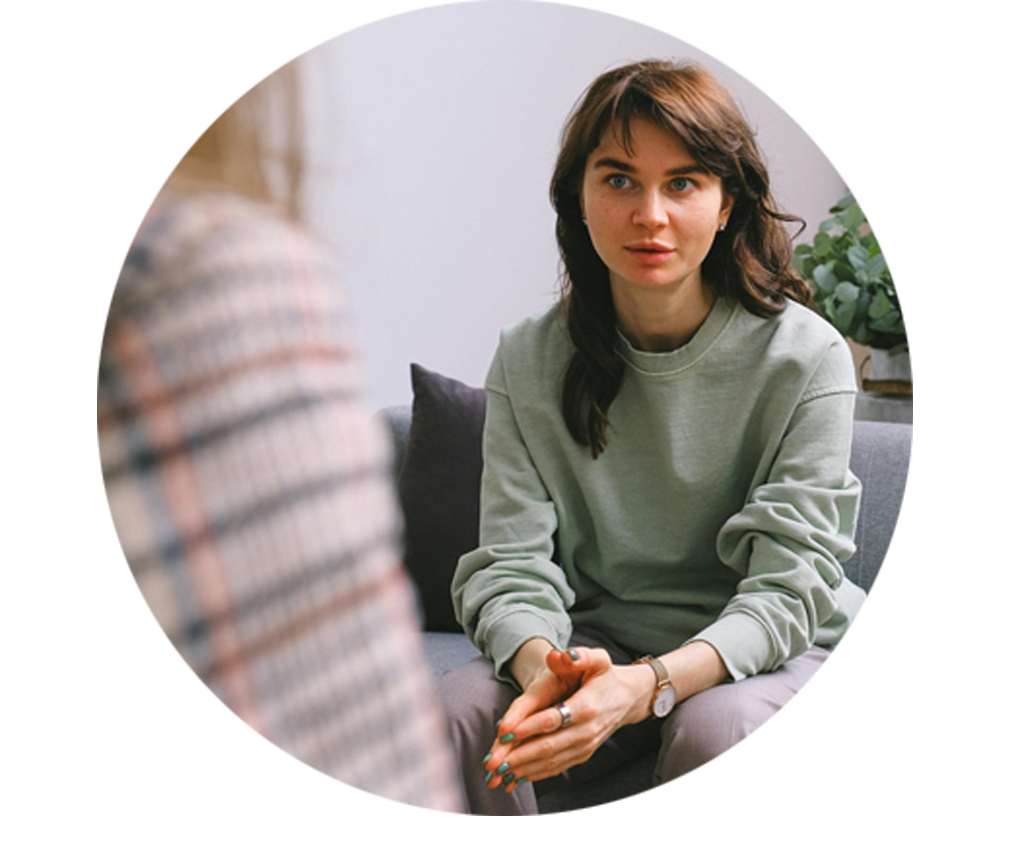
(659, 669)
(660, 674)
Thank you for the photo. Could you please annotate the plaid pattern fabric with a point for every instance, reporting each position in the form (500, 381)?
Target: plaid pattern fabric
(250, 492)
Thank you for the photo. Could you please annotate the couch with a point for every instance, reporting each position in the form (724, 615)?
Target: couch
(438, 467)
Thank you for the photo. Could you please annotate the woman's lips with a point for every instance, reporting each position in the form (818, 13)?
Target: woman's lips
(652, 253)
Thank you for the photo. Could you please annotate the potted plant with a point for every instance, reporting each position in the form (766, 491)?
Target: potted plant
(853, 289)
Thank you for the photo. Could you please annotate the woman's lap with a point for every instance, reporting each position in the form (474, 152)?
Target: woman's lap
(732, 750)
(699, 729)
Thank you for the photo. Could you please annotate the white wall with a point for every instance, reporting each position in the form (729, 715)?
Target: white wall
(432, 139)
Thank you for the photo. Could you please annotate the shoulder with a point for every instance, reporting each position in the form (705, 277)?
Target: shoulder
(826, 350)
(546, 327)
(801, 327)
(203, 222)
(213, 236)
(800, 341)
(532, 350)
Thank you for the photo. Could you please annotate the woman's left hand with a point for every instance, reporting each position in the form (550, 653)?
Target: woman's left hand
(534, 745)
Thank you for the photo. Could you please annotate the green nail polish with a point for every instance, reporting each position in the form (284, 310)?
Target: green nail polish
(507, 738)
(521, 780)
(485, 760)
(508, 778)
(488, 777)
(574, 655)
(503, 767)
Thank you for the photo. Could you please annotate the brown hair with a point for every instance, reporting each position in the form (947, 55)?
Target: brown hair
(749, 261)
(254, 144)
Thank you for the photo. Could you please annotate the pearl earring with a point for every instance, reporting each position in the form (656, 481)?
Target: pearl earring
(721, 227)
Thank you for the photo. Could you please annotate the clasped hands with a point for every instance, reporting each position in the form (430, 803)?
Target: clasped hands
(532, 743)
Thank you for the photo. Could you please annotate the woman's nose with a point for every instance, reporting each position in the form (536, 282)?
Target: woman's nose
(650, 211)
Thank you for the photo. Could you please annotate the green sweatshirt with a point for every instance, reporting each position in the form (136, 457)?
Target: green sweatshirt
(720, 510)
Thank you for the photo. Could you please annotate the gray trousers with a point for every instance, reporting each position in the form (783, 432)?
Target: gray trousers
(699, 729)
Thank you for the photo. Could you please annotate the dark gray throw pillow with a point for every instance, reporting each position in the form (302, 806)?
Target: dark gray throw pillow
(439, 487)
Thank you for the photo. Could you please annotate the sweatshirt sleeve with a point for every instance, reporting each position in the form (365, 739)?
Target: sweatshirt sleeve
(509, 590)
(790, 538)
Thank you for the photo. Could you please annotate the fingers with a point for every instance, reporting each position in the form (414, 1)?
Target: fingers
(541, 756)
(563, 662)
(564, 677)
(532, 742)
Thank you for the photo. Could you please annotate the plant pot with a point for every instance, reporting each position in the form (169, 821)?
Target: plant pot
(887, 394)
(889, 375)
(899, 367)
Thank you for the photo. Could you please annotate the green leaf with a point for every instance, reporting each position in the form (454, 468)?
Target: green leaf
(844, 271)
(880, 305)
(853, 217)
(825, 278)
(845, 315)
(871, 242)
(858, 255)
(875, 266)
(864, 299)
(847, 293)
(887, 324)
(805, 264)
(843, 203)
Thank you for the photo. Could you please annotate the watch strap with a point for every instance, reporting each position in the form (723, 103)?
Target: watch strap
(660, 674)
(659, 669)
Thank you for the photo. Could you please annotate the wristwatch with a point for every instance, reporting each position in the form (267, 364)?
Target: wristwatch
(664, 697)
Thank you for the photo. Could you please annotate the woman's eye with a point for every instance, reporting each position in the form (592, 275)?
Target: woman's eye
(618, 181)
(681, 184)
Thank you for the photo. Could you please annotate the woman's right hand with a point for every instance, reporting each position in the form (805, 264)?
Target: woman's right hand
(547, 677)
(532, 741)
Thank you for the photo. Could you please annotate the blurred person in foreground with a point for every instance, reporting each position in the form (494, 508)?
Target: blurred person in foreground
(247, 482)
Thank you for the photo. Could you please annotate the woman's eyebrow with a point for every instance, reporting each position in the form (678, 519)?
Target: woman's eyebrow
(617, 164)
(695, 168)
(626, 168)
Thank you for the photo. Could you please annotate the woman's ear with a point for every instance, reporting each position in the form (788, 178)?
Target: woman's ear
(727, 204)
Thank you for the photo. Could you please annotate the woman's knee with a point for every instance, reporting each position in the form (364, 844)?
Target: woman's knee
(707, 725)
(472, 698)
(732, 750)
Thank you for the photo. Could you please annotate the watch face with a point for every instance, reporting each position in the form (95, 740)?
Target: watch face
(664, 702)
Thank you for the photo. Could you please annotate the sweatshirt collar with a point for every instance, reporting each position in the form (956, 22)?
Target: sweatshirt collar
(665, 362)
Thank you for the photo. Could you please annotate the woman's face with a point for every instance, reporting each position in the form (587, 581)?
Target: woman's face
(652, 216)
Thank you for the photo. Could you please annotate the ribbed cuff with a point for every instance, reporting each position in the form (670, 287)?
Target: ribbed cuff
(507, 635)
(743, 643)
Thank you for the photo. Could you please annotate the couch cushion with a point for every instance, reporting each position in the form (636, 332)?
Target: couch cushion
(447, 651)
(439, 486)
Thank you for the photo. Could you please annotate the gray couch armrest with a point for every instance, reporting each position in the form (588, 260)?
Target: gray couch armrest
(880, 456)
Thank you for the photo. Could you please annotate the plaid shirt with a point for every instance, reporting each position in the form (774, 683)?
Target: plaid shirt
(250, 492)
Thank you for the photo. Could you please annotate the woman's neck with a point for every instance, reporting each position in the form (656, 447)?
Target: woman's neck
(658, 321)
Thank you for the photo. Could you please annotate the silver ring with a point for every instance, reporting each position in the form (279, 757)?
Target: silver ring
(564, 712)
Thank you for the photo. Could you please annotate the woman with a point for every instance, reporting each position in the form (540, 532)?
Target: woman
(667, 499)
